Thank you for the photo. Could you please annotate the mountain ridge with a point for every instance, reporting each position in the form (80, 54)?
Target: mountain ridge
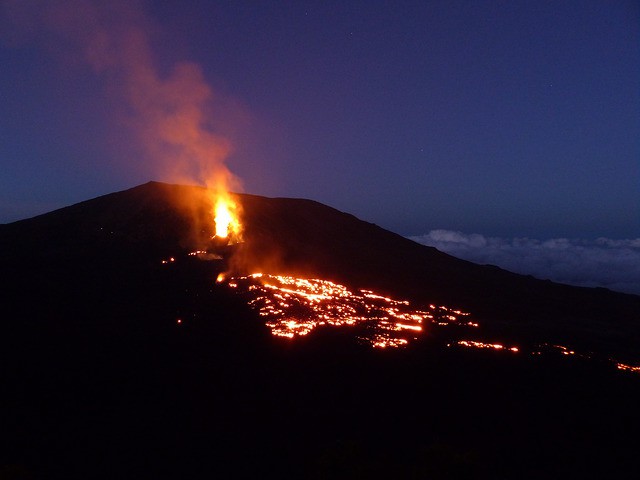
(120, 365)
(306, 238)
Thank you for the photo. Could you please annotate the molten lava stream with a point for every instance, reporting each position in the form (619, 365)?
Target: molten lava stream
(293, 307)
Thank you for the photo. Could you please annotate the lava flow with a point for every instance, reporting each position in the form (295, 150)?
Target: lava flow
(294, 307)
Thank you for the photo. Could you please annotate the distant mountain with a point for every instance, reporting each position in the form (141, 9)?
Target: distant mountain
(119, 363)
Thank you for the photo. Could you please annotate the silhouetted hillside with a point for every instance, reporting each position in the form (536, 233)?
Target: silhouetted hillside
(117, 366)
(318, 240)
(281, 235)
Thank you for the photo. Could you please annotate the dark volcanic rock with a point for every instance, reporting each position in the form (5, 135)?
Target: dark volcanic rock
(101, 381)
(305, 237)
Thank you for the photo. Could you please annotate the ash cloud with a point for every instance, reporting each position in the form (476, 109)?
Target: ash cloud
(604, 262)
(170, 112)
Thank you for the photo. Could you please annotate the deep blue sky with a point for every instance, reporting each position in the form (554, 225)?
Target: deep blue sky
(507, 118)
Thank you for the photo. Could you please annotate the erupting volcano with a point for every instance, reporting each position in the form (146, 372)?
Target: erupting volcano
(197, 331)
(206, 325)
(300, 276)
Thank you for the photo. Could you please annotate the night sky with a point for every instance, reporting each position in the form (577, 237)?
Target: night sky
(506, 119)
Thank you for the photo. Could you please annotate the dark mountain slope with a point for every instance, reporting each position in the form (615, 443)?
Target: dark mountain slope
(155, 220)
(100, 381)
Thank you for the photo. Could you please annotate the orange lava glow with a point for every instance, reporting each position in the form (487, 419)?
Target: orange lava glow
(293, 307)
(476, 344)
(628, 368)
(226, 218)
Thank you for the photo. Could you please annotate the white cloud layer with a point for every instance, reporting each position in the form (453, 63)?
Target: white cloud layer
(604, 262)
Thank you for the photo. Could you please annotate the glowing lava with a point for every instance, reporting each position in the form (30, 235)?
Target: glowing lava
(293, 307)
(226, 217)
(477, 344)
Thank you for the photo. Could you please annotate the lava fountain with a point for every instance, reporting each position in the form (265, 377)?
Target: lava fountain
(226, 219)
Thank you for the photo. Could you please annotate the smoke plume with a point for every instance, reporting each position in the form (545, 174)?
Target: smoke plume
(170, 112)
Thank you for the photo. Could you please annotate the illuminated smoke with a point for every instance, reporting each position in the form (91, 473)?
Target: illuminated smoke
(170, 113)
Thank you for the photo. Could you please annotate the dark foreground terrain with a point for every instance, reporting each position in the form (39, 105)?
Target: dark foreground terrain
(99, 380)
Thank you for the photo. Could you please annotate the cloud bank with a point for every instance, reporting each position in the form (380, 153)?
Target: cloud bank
(604, 262)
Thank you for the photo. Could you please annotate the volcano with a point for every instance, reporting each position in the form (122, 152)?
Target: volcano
(126, 359)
